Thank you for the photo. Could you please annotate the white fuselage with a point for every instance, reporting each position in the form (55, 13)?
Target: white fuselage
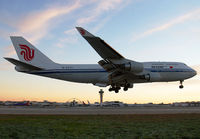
(113, 70)
(93, 73)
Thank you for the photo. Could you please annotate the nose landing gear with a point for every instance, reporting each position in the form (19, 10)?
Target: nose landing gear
(181, 85)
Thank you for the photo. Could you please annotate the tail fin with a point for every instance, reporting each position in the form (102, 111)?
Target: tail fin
(27, 53)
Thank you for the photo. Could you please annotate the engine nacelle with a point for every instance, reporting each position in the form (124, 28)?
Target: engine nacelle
(155, 77)
(152, 77)
(133, 66)
(147, 77)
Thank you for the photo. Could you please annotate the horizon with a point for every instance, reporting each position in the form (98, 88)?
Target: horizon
(86, 102)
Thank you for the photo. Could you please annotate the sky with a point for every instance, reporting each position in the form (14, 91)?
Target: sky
(141, 30)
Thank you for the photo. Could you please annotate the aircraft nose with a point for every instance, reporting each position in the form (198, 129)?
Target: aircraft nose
(194, 72)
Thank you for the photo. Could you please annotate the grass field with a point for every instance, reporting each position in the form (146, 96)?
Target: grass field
(100, 126)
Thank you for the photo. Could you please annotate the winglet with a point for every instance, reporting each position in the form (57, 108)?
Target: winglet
(84, 32)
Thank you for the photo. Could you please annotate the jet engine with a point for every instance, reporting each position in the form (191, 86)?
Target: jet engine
(155, 77)
(151, 77)
(133, 67)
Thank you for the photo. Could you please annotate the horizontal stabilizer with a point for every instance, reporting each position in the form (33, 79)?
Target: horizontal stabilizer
(22, 65)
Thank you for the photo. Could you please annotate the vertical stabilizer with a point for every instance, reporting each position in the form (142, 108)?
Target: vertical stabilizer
(27, 53)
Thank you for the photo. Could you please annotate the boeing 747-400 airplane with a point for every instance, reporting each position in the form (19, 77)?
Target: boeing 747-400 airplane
(113, 70)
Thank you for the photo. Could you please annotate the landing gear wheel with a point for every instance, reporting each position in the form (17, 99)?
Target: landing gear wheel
(181, 86)
(125, 88)
(114, 88)
(116, 91)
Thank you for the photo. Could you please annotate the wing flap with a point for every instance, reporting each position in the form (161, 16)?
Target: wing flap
(107, 65)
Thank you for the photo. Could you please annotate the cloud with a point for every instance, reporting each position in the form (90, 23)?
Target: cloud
(95, 16)
(4, 34)
(70, 31)
(70, 38)
(100, 8)
(9, 50)
(63, 42)
(37, 24)
(5, 66)
(177, 20)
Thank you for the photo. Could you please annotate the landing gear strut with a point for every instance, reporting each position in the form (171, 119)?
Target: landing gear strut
(181, 84)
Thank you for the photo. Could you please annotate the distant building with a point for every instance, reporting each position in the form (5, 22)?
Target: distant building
(113, 103)
(1, 103)
(186, 104)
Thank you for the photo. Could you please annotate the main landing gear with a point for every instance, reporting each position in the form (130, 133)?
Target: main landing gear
(181, 84)
(117, 88)
(114, 88)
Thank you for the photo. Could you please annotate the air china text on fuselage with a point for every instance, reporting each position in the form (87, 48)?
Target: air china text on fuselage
(113, 70)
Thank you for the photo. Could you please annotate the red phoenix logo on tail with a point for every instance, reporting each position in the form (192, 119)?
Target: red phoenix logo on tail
(27, 52)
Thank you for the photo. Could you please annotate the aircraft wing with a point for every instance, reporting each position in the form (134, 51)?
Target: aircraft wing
(114, 63)
(100, 46)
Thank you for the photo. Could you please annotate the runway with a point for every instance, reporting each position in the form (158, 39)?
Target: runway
(97, 110)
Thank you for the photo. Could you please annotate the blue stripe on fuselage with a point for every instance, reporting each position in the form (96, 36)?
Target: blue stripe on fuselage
(102, 70)
(68, 71)
(170, 70)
